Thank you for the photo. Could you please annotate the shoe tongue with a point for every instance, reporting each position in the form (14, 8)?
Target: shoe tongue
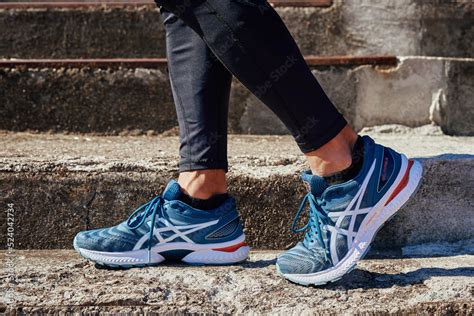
(172, 191)
(315, 184)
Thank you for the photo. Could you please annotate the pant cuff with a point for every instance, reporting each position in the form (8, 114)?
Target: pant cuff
(202, 165)
(314, 142)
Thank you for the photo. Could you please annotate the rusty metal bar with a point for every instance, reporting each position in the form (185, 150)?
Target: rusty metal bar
(80, 63)
(73, 5)
(301, 3)
(351, 60)
(160, 62)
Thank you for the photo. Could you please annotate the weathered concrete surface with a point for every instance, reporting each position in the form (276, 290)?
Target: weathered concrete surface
(408, 27)
(418, 91)
(458, 120)
(61, 281)
(86, 33)
(86, 100)
(439, 249)
(61, 184)
(364, 27)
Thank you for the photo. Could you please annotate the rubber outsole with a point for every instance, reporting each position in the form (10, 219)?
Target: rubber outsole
(147, 258)
(414, 182)
(154, 264)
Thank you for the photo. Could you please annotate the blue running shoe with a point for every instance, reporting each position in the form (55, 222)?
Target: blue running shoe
(166, 228)
(344, 218)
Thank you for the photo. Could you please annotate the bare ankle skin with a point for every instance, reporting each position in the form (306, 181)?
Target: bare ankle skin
(335, 155)
(202, 184)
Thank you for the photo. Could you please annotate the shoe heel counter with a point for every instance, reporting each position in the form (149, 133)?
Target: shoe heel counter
(387, 167)
(230, 224)
(391, 163)
(229, 229)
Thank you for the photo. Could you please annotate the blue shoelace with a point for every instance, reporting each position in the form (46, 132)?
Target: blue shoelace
(316, 220)
(138, 217)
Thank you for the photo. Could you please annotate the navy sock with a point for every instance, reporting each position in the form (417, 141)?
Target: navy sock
(204, 204)
(354, 168)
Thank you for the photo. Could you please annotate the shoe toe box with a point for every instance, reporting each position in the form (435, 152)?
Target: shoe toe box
(105, 240)
(301, 260)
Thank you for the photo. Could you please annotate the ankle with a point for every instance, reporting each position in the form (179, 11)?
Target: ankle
(203, 184)
(334, 156)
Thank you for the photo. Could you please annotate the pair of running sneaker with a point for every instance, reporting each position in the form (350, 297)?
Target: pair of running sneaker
(343, 220)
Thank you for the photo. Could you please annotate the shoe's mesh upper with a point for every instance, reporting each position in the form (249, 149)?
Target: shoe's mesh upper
(345, 222)
(116, 238)
(301, 260)
(358, 221)
(341, 245)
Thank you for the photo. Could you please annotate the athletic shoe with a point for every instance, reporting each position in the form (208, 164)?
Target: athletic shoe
(166, 228)
(344, 218)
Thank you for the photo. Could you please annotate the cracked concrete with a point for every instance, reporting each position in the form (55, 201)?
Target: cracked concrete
(62, 173)
(62, 282)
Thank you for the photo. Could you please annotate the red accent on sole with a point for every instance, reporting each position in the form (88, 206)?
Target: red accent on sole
(231, 248)
(402, 183)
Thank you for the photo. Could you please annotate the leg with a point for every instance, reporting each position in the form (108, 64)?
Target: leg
(335, 155)
(252, 42)
(201, 87)
(250, 39)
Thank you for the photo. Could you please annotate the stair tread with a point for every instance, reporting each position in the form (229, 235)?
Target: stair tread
(58, 281)
(247, 153)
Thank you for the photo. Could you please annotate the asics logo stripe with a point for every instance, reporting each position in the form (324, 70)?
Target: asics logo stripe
(179, 232)
(350, 234)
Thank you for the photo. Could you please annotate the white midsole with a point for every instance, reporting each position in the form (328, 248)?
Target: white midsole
(203, 253)
(369, 227)
(217, 257)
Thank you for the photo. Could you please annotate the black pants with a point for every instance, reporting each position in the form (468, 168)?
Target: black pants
(208, 41)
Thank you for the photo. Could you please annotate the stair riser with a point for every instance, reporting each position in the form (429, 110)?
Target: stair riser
(59, 204)
(407, 27)
(419, 91)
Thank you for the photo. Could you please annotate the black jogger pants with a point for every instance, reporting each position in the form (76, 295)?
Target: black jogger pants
(208, 41)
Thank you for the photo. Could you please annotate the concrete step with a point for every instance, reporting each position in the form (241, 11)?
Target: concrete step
(60, 282)
(408, 27)
(61, 184)
(111, 96)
